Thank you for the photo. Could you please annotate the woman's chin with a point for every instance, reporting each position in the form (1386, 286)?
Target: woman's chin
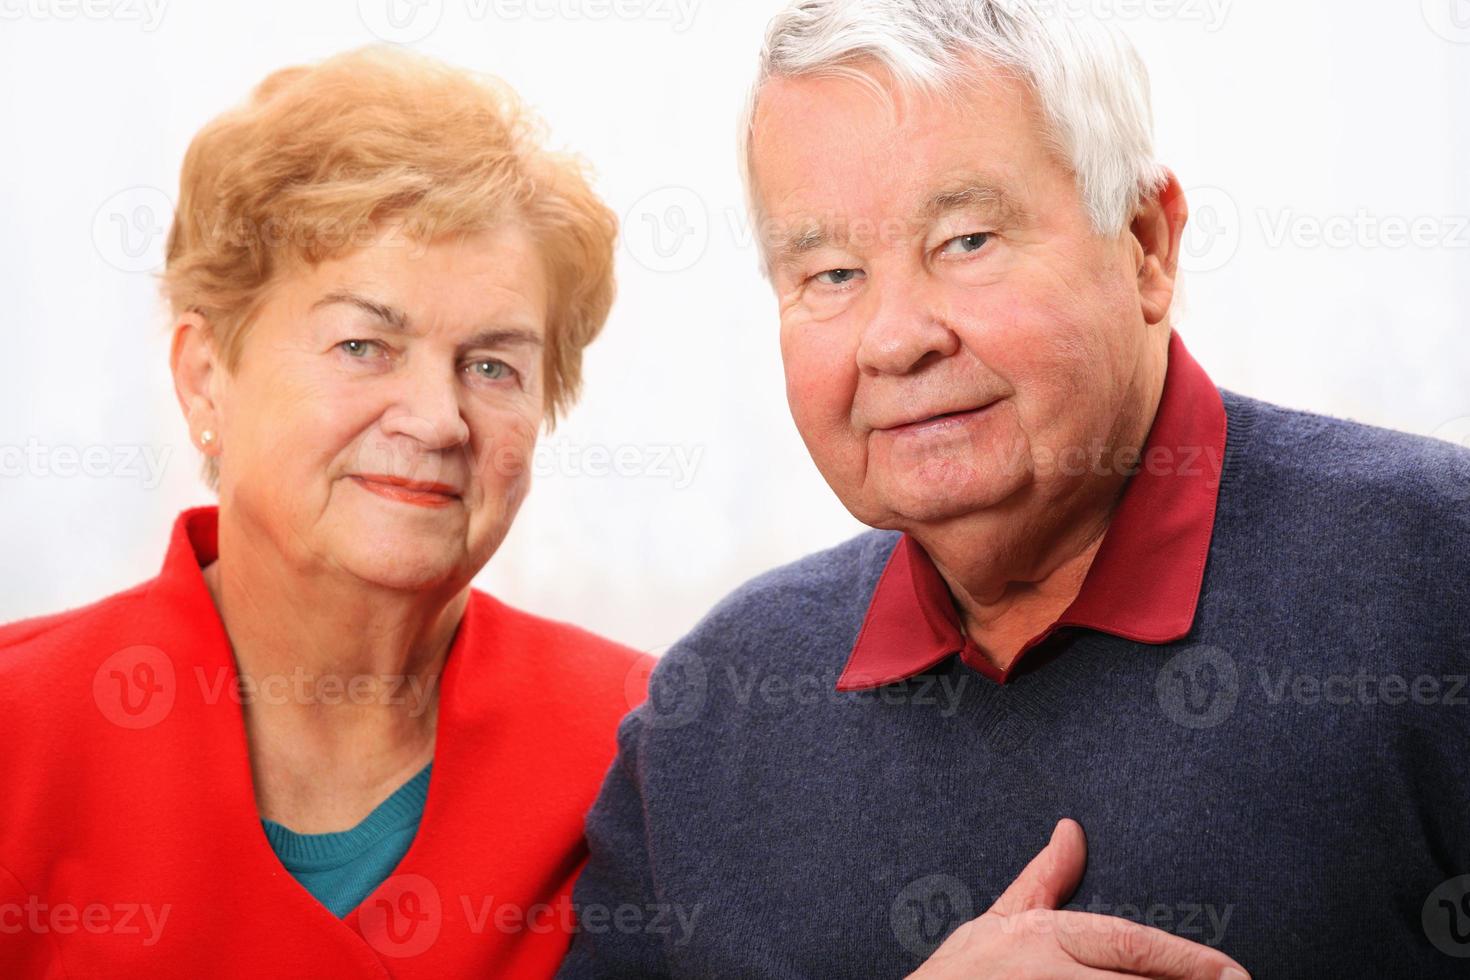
(404, 562)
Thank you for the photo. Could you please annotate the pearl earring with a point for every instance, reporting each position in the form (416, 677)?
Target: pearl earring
(207, 436)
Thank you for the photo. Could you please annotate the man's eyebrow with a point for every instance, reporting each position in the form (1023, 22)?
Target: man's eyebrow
(973, 193)
(390, 315)
(807, 238)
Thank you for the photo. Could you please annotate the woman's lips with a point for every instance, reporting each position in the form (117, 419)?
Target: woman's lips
(408, 491)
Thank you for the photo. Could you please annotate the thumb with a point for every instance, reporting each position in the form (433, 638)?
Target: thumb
(1051, 877)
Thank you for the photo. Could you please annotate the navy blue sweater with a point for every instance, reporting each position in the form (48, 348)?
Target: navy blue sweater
(1290, 782)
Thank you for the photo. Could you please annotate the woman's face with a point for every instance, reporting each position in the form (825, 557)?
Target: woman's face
(381, 419)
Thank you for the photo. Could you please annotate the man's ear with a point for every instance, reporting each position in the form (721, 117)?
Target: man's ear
(1157, 230)
(197, 371)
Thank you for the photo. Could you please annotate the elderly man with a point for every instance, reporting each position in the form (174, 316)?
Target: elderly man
(1227, 638)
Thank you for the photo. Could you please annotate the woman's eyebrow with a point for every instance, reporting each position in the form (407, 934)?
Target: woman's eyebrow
(504, 337)
(390, 315)
(396, 319)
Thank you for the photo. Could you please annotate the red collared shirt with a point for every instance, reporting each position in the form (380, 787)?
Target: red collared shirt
(1143, 584)
(130, 841)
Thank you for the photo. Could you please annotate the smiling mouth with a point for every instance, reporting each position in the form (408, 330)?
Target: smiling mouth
(408, 491)
(940, 421)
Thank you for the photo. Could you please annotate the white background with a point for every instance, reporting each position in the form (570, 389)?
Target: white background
(1311, 134)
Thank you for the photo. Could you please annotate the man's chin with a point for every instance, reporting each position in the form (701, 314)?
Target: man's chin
(927, 502)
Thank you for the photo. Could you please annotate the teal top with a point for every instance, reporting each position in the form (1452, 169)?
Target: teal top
(343, 868)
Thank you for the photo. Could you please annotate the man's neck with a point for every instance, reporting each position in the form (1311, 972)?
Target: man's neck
(1013, 569)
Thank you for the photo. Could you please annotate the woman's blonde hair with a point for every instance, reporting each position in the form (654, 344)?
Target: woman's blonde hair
(322, 156)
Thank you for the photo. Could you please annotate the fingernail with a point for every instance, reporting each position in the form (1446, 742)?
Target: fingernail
(1231, 973)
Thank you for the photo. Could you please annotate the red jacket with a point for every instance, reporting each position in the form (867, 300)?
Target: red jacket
(130, 842)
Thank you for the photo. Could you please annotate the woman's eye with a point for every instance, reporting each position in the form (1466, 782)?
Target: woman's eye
(357, 348)
(965, 244)
(490, 370)
(837, 277)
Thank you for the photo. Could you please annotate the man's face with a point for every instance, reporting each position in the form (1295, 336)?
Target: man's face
(955, 334)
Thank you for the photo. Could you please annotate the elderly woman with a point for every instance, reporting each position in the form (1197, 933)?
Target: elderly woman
(309, 747)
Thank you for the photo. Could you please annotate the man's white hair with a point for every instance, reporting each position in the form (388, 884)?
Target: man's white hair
(1091, 85)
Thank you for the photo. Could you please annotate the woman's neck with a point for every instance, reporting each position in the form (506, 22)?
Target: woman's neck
(339, 684)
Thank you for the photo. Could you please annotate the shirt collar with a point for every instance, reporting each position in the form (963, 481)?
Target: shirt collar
(1143, 584)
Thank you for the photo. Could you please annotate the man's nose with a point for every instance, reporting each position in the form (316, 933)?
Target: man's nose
(906, 331)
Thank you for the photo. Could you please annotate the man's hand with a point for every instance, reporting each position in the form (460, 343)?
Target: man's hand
(1024, 935)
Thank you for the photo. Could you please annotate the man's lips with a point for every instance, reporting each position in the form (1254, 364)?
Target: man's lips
(418, 492)
(934, 420)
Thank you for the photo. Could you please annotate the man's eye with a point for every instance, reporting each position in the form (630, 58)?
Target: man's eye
(965, 243)
(837, 277)
(358, 348)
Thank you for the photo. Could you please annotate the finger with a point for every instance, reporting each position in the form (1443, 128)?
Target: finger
(1110, 943)
(1051, 877)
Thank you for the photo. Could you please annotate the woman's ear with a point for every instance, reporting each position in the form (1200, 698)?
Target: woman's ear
(1157, 230)
(197, 371)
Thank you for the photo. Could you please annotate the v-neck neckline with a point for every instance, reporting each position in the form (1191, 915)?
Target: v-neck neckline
(180, 596)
